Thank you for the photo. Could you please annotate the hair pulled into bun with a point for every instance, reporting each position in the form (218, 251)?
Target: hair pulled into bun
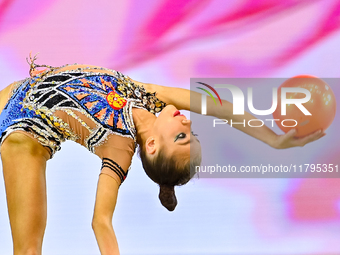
(167, 197)
(169, 171)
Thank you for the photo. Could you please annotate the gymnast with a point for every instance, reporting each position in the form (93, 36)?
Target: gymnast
(111, 115)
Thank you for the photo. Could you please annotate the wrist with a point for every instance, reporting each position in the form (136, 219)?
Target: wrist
(274, 141)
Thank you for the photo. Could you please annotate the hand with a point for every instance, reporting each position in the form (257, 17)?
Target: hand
(288, 140)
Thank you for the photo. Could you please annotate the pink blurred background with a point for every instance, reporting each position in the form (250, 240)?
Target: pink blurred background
(168, 42)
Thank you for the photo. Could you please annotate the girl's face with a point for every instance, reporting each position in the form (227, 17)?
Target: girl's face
(173, 132)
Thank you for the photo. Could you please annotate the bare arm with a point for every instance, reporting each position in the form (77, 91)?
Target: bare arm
(190, 100)
(102, 218)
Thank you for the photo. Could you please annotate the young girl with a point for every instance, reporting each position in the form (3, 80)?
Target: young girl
(109, 114)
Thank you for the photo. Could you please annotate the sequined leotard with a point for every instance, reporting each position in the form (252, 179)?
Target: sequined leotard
(89, 105)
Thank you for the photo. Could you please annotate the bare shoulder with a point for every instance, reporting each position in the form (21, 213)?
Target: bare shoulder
(179, 97)
(148, 86)
(154, 88)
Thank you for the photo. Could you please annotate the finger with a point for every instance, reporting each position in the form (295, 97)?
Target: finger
(313, 137)
(317, 135)
(322, 134)
(291, 133)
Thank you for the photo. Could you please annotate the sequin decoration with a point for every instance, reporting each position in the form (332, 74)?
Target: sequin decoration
(106, 99)
(145, 99)
(115, 100)
(16, 116)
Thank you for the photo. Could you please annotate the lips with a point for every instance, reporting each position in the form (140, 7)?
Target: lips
(177, 113)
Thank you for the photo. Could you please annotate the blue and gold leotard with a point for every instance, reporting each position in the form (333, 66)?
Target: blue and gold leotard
(99, 99)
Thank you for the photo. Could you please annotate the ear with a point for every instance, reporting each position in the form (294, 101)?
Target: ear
(150, 145)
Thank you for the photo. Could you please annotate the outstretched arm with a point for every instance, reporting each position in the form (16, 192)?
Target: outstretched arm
(191, 101)
(102, 219)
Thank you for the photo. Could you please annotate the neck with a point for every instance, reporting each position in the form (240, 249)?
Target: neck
(144, 122)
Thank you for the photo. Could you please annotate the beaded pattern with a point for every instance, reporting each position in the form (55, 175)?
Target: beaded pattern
(105, 99)
(16, 117)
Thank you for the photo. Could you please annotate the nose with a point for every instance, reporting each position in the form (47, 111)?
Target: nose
(187, 122)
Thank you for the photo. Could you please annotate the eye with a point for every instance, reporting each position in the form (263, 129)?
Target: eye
(180, 136)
